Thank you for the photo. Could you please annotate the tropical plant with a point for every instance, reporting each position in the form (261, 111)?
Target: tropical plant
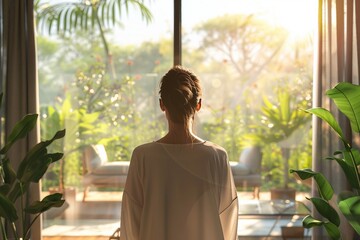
(346, 98)
(83, 128)
(67, 16)
(279, 121)
(15, 184)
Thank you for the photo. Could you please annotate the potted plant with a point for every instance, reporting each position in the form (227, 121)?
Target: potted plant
(281, 123)
(15, 184)
(347, 100)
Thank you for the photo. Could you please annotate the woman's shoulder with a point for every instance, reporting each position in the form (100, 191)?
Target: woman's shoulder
(145, 147)
(215, 147)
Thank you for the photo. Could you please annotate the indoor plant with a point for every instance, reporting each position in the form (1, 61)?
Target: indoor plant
(14, 185)
(281, 122)
(347, 100)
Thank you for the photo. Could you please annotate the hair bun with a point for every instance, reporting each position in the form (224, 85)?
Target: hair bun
(179, 91)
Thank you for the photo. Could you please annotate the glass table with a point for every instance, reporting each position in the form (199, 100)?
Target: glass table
(266, 218)
(272, 207)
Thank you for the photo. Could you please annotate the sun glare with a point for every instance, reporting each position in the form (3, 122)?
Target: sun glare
(298, 17)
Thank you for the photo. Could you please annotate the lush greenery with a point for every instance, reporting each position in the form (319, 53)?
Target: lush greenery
(346, 98)
(119, 108)
(15, 184)
(282, 123)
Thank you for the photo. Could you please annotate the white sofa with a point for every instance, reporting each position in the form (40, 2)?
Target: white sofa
(247, 171)
(99, 172)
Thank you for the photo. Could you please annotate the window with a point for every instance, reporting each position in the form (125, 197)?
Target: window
(255, 61)
(101, 84)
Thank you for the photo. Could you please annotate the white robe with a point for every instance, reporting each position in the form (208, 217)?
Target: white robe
(179, 191)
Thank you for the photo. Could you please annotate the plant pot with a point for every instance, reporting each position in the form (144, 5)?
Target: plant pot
(292, 232)
(283, 194)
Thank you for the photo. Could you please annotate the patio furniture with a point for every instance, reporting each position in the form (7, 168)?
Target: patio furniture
(247, 171)
(99, 172)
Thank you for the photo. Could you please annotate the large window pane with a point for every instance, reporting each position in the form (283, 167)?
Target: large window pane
(100, 83)
(255, 61)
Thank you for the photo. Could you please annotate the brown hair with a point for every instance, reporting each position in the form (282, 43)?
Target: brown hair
(180, 92)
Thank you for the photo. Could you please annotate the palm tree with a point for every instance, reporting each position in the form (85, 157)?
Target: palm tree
(101, 15)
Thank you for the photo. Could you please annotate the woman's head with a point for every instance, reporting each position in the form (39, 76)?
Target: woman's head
(180, 93)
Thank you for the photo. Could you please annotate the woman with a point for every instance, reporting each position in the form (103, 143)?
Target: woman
(180, 186)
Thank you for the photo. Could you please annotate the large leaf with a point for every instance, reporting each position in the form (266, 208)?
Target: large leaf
(310, 222)
(332, 230)
(325, 189)
(350, 207)
(10, 175)
(327, 116)
(348, 165)
(4, 189)
(347, 98)
(53, 200)
(7, 209)
(18, 190)
(36, 169)
(38, 151)
(326, 210)
(20, 130)
(69, 16)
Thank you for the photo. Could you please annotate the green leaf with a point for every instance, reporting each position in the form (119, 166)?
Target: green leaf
(310, 222)
(304, 173)
(4, 189)
(37, 169)
(7, 209)
(53, 200)
(58, 20)
(347, 163)
(1, 98)
(332, 230)
(18, 190)
(113, 13)
(326, 210)
(10, 175)
(346, 97)
(55, 156)
(350, 207)
(327, 116)
(37, 152)
(20, 130)
(324, 187)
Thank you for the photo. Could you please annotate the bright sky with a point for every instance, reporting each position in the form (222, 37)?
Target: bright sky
(297, 16)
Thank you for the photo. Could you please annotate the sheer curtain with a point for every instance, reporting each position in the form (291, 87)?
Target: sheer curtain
(336, 60)
(20, 79)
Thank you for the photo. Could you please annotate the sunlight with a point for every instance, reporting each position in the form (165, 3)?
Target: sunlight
(298, 17)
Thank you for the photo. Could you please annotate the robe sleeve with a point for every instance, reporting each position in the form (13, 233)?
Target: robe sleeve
(132, 203)
(228, 204)
(229, 220)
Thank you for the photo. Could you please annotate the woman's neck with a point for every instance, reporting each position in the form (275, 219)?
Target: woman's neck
(180, 134)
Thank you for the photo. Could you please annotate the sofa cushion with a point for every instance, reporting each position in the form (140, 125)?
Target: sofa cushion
(112, 168)
(251, 158)
(95, 156)
(239, 168)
